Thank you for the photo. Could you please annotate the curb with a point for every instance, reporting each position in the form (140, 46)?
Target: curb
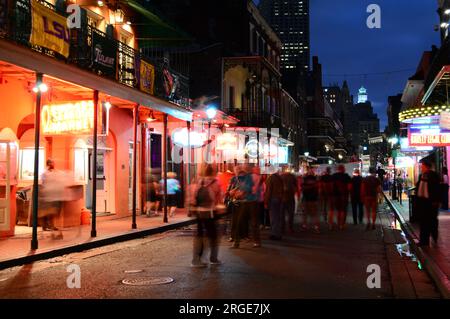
(439, 278)
(19, 261)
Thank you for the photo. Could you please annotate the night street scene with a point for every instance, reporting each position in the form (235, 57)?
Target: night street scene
(193, 151)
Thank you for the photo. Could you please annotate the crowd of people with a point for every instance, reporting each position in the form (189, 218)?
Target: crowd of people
(259, 201)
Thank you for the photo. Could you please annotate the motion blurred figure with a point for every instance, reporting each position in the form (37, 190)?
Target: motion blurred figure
(326, 193)
(428, 202)
(173, 186)
(289, 191)
(341, 182)
(205, 196)
(273, 198)
(310, 201)
(370, 190)
(355, 195)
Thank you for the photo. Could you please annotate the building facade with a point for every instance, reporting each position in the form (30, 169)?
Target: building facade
(56, 82)
(236, 66)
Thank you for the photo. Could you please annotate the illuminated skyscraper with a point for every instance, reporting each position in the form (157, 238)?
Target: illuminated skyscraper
(290, 20)
(362, 95)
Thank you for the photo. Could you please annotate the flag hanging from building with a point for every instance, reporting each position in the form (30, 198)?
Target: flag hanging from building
(104, 54)
(147, 77)
(49, 29)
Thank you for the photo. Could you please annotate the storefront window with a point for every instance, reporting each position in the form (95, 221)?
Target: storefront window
(26, 164)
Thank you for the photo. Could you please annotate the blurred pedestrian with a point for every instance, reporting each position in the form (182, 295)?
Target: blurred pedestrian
(259, 189)
(152, 202)
(428, 202)
(288, 204)
(355, 195)
(173, 187)
(310, 189)
(326, 194)
(254, 204)
(231, 204)
(370, 190)
(341, 184)
(444, 188)
(400, 184)
(244, 199)
(51, 196)
(273, 198)
(205, 196)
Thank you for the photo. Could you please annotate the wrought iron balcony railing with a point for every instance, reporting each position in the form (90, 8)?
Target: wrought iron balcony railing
(16, 26)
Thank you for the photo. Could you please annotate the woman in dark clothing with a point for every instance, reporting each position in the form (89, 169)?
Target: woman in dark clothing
(355, 195)
(428, 202)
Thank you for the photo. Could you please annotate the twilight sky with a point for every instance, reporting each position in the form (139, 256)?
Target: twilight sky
(345, 45)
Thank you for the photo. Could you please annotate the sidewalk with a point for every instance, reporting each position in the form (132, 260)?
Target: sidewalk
(16, 250)
(436, 260)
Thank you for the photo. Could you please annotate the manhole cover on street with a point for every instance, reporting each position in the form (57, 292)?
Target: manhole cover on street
(133, 271)
(148, 281)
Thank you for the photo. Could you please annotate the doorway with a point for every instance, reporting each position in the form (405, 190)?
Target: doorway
(105, 190)
(130, 175)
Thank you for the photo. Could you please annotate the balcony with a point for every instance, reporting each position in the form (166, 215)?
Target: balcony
(251, 118)
(168, 85)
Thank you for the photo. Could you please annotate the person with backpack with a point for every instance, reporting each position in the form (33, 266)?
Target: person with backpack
(341, 183)
(206, 195)
(370, 190)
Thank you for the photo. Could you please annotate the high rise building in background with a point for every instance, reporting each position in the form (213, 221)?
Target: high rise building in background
(290, 20)
(362, 95)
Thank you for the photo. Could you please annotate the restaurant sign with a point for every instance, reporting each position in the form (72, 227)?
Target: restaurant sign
(428, 135)
(75, 118)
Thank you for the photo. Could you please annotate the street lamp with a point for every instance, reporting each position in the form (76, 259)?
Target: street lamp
(211, 112)
(40, 87)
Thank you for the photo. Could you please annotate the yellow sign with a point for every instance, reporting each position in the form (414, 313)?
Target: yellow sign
(147, 77)
(226, 141)
(68, 118)
(49, 29)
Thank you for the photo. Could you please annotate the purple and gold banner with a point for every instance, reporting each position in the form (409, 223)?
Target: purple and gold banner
(147, 77)
(49, 29)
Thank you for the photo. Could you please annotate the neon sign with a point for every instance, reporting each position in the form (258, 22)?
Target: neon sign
(68, 118)
(428, 135)
(226, 141)
(180, 138)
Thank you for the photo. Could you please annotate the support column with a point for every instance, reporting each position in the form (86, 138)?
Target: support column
(144, 163)
(94, 168)
(164, 163)
(135, 126)
(37, 129)
(189, 153)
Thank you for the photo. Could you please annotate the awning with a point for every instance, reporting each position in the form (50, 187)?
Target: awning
(32, 61)
(439, 90)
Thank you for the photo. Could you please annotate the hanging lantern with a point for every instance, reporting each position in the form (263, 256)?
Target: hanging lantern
(119, 16)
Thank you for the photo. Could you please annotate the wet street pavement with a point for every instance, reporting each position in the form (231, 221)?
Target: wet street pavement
(332, 264)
